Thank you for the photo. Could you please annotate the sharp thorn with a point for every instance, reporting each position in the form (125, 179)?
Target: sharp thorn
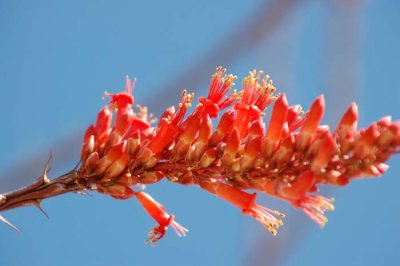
(41, 210)
(2, 219)
(46, 168)
(3, 199)
(43, 178)
(77, 165)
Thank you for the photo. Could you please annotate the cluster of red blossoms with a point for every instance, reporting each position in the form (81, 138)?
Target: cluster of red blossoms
(287, 158)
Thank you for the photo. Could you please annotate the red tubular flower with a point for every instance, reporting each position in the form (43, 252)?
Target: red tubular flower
(231, 148)
(326, 150)
(347, 127)
(245, 202)
(223, 129)
(124, 100)
(311, 123)
(103, 123)
(256, 97)
(88, 144)
(169, 127)
(288, 160)
(201, 142)
(186, 138)
(217, 98)
(256, 129)
(158, 212)
(285, 151)
(303, 183)
(111, 156)
(366, 142)
(251, 152)
(276, 125)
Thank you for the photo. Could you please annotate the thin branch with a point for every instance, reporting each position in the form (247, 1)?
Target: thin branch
(42, 188)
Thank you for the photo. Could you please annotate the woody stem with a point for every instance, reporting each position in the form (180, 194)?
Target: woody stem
(40, 189)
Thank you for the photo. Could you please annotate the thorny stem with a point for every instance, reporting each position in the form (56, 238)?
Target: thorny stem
(33, 194)
(42, 188)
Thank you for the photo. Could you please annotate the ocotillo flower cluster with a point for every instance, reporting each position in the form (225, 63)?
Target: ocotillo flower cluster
(286, 157)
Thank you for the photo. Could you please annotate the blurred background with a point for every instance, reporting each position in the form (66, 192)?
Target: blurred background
(58, 57)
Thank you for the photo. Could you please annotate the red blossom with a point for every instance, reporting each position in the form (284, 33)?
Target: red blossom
(288, 159)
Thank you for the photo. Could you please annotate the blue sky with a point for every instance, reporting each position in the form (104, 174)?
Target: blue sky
(57, 58)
